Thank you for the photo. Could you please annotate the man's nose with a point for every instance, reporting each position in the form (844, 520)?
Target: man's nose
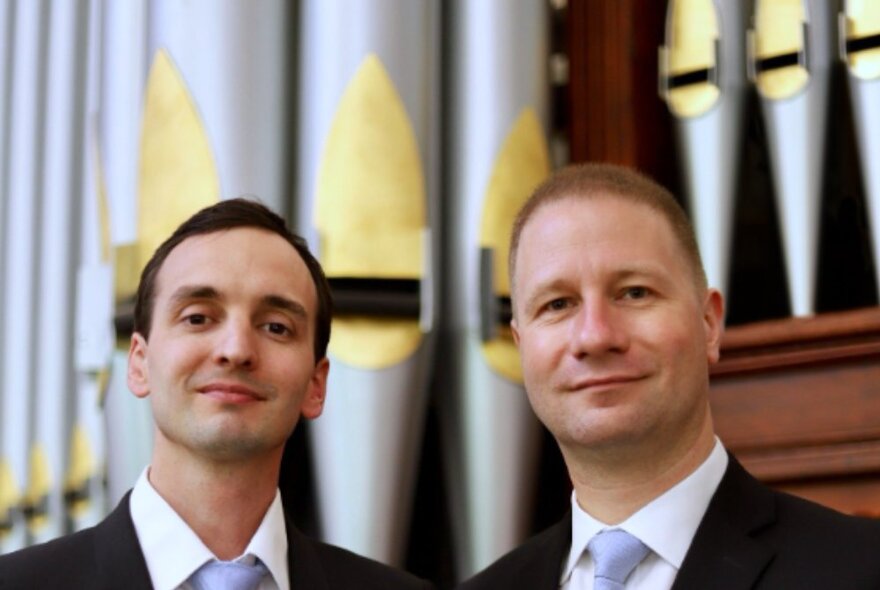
(236, 347)
(597, 329)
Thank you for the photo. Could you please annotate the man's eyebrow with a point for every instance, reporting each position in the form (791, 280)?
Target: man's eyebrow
(283, 303)
(190, 292)
(647, 271)
(539, 290)
(633, 271)
(194, 292)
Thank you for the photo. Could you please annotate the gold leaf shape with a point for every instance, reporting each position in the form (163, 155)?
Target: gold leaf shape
(10, 495)
(691, 35)
(100, 197)
(522, 163)
(81, 470)
(779, 31)
(38, 487)
(863, 20)
(177, 171)
(373, 343)
(370, 210)
(126, 272)
(102, 379)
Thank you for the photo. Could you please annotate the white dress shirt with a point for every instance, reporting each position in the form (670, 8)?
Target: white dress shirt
(173, 551)
(667, 525)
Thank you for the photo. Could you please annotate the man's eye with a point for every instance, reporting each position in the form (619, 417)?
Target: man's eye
(196, 319)
(278, 329)
(635, 292)
(557, 304)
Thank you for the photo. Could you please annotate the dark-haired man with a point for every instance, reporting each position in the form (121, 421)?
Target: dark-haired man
(616, 328)
(232, 321)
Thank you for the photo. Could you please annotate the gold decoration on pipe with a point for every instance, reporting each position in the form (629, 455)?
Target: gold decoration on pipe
(126, 272)
(102, 383)
(692, 37)
(10, 495)
(80, 472)
(177, 171)
(779, 30)
(103, 207)
(40, 483)
(370, 211)
(522, 163)
(862, 19)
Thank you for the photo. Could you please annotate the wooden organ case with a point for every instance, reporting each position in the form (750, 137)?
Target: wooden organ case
(797, 400)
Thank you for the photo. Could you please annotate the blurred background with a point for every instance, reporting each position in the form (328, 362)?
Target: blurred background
(400, 137)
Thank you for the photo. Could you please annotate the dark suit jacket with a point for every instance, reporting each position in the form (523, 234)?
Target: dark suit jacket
(108, 556)
(750, 537)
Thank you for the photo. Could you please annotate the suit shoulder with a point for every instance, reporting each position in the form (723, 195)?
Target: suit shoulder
(534, 564)
(813, 545)
(57, 563)
(805, 517)
(345, 569)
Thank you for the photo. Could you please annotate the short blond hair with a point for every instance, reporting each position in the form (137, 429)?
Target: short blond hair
(592, 180)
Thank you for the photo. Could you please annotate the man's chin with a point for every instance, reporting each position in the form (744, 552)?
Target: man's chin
(232, 447)
(601, 432)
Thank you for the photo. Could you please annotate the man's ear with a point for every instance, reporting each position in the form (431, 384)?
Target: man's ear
(316, 393)
(138, 375)
(713, 323)
(514, 331)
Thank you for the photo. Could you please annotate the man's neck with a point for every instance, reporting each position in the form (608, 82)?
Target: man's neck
(223, 503)
(612, 486)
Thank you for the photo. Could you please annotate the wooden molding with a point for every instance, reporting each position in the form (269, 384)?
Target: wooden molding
(788, 342)
(615, 113)
(798, 401)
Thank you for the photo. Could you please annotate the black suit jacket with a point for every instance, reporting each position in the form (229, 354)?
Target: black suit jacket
(108, 556)
(751, 537)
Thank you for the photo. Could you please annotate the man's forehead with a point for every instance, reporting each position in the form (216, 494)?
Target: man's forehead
(229, 241)
(599, 214)
(211, 254)
(597, 208)
(599, 199)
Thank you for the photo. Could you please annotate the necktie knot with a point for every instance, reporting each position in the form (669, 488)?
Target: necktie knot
(616, 554)
(228, 575)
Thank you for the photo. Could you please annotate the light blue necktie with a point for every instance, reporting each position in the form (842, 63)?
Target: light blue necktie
(228, 575)
(616, 553)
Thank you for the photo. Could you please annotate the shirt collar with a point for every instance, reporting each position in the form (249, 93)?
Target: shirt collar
(269, 543)
(173, 551)
(667, 524)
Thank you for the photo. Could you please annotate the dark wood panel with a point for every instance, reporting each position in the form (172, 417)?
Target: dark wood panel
(798, 402)
(845, 326)
(616, 115)
(812, 462)
(860, 496)
(783, 407)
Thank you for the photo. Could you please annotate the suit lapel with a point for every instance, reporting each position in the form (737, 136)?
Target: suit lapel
(121, 563)
(539, 565)
(726, 553)
(118, 554)
(303, 565)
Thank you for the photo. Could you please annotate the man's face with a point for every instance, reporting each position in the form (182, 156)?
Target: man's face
(614, 332)
(229, 366)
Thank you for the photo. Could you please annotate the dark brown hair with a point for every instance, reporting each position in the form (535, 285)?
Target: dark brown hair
(591, 180)
(230, 214)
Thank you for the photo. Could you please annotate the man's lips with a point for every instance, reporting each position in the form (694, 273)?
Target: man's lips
(234, 393)
(608, 381)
